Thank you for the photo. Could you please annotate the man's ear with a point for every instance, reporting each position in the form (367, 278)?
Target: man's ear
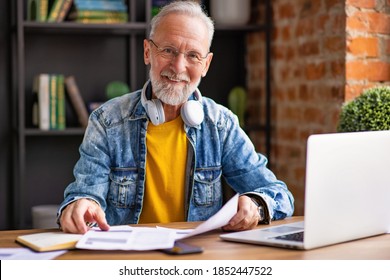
(146, 52)
(207, 64)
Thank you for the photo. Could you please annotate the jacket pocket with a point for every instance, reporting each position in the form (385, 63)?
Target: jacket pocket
(207, 186)
(123, 187)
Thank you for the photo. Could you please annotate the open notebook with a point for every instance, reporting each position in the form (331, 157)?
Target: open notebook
(347, 193)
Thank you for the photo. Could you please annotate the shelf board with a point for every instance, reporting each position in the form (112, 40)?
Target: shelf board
(73, 131)
(117, 28)
(95, 28)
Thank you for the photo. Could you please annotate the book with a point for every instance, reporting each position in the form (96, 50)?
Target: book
(48, 109)
(59, 10)
(64, 10)
(35, 107)
(99, 20)
(61, 113)
(53, 102)
(96, 14)
(43, 101)
(49, 241)
(100, 5)
(77, 100)
(37, 10)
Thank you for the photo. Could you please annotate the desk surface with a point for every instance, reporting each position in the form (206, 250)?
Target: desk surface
(375, 248)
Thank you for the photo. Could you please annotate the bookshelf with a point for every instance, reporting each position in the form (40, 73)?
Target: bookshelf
(95, 54)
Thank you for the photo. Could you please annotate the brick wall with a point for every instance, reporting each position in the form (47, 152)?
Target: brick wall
(368, 45)
(324, 52)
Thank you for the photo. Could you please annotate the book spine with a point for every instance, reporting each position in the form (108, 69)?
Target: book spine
(35, 107)
(61, 115)
(43, 9)
(100, 5)
(76, 100)
(55, 10)
(53, 102)
(64, 10)
(43, 101)
(99, 14)
(31, 10)
(37, 10)
(99, 20)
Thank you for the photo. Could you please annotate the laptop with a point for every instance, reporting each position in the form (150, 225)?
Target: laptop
(347, 193)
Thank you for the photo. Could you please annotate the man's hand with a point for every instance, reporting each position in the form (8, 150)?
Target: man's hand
(77, 215)
(247, 216)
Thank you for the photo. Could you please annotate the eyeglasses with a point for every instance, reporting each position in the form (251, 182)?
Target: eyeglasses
(171, 53)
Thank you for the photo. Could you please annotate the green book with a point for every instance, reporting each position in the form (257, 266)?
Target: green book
(96, 14)
(37, 10)
(61, 113)
(59, 10)
(53, 102)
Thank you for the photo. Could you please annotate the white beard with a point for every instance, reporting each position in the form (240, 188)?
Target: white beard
(170, 94)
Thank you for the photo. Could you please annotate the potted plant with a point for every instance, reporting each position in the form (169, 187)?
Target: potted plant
(369, 111)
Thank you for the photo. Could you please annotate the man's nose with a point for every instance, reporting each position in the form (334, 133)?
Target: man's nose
(179, 63)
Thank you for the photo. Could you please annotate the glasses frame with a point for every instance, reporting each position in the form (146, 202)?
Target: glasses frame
(175, 53)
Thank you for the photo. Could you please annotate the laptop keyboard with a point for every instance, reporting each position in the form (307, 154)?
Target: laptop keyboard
(297, 236)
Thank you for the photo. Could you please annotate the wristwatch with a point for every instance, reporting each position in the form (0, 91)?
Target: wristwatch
(260, 208)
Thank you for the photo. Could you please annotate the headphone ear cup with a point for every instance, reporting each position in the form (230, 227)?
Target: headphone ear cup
(155, 111)
(192, 113)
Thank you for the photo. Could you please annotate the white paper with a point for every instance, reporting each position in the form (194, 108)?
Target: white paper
(27, 254)
(220, 219)
(152, 238)
(127, 238)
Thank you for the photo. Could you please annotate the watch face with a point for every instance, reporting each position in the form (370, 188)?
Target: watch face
(260, 208)
(261, 213)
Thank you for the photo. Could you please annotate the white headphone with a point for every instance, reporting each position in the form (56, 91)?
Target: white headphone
(191, 112)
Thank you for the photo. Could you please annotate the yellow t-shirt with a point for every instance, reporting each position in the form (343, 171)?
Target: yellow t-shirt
(165, 173)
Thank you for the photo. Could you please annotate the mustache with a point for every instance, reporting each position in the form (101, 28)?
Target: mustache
(173, 76)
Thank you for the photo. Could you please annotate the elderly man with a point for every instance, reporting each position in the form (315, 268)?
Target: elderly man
(162, 153)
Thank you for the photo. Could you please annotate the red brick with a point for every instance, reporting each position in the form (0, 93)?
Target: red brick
(337, 24)
(335, 43)
(290, 53)
(286, 11)
(305, 27)
(337, 68)
(322, 22)
(332, 3)
(315, 71)
(313, 114)
(367, 4)
(309, 48)
(287, 133)
(387, 46)
(374, 71)
(285, 31)
(362, 46)
(256, 58)
(278, 53)
(289, 113)
(371, 22)
(353, 91)
(310, 8)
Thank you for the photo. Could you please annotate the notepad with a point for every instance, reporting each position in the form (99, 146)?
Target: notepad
(49, 241)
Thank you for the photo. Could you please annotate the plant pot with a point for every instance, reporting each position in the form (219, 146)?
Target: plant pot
(230, 12)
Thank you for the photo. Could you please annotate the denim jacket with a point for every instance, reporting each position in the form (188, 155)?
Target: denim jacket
(111, 168)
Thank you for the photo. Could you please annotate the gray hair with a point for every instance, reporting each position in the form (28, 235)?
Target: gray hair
(190, 8)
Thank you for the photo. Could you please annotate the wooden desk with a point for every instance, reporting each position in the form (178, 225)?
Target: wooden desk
(373, 248)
